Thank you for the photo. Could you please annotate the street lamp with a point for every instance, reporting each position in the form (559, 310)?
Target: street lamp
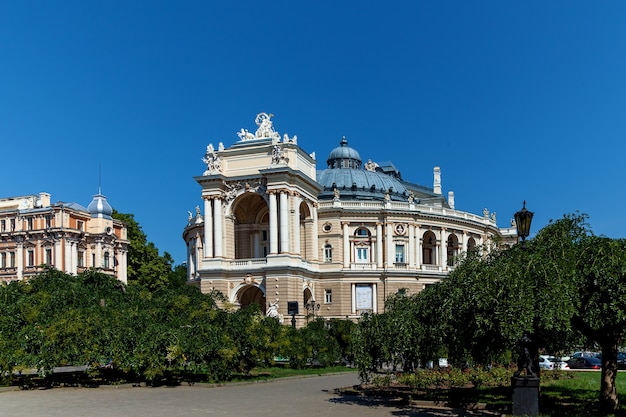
(311, 308)
(523, 218)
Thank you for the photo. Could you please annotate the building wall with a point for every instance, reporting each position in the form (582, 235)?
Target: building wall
(35, 234)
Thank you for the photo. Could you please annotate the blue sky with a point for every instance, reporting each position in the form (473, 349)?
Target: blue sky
(513, 100)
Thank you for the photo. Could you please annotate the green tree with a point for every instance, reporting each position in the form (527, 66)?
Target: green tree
(145, 265)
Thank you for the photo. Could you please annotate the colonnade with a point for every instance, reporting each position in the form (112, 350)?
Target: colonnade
(284, 225)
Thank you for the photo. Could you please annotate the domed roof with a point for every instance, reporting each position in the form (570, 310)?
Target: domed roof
(344, 156)
(100, 208)
(346, 175)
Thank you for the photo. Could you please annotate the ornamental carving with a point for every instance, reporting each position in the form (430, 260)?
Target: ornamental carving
(278, 155)
(234, 188)
(212, 160)
(265, 130)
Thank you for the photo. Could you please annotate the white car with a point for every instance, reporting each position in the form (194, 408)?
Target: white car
(545, 363)
(552, 362)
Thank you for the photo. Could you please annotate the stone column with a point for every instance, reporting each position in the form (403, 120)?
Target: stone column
(390, 249)
(297, 200)
(379, 245)
(67, 248)
(314, 236)
(208, 228)
(218, 228)
(19, 255)
(418, 247)
(444, 248)
(346, 246)
(411, 246)
(273, 224)
(284, 222)
(58, 256)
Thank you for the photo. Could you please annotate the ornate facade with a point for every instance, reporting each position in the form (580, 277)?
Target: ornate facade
(274, 230)
(67, 236)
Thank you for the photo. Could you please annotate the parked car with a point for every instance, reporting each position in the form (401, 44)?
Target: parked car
(557, 362)
(545, 363)
(584, 362)
(621, 359)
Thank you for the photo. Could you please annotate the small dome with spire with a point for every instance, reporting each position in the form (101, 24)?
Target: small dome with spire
(344, 156)
(100, 208)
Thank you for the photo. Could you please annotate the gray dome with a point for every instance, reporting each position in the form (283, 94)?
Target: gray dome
(345, 173)
(344, 156)
(100, 208)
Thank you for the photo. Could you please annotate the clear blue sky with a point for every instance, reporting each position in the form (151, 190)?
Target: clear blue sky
(513, 100)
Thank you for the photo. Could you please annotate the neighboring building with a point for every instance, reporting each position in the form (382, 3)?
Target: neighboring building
(338, 241)
(66, 236)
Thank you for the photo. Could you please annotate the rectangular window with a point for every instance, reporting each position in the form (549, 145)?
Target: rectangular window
(48, 256)
(81, 258)
(12, 259)
(29, 223)
(48, 221)
(364, 297)
(3, 260)
(3, 226)
(31, 258)
(362, 255)
(400, 254)
(264, 236)
(93, 260)
(328, 296)
(80, 225)
(12, 225)
(328, 253)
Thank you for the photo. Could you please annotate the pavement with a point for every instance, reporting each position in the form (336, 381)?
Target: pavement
(300, 397)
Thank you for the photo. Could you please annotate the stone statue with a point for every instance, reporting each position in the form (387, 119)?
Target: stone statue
(493, 216)
(220, 147)
(525, 361)
(411, 197)
(278, 155)
(371, 166)
(212, 161)
(486, 213)
(335, 194)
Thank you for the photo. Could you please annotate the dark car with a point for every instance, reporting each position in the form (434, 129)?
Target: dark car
(621, 359)
(584, 363)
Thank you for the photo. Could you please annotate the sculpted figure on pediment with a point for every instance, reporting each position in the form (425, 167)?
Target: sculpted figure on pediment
(212, 161)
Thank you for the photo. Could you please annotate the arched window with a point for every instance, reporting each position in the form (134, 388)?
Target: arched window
(328, 253)
(471, 244)
(429, 245)
(453, 249)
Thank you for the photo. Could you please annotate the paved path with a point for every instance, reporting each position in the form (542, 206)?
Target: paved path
(299, 397)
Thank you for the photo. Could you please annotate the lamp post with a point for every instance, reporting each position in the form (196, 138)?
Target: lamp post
(311, 308)
(523, 218)
(525, 387)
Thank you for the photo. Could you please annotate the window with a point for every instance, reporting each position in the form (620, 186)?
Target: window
(106, 260)
(328, 253)
(328, 296)
(49, 256)
(362, 232)
(31, 258)
(3, 260)
(93, 260)
(48, 221)
(400, 254)
(80, 225)
(81, 258)
(364, 297)
(12, 259)
(327, 227)
(29, 223)
(362, 254)
(3, 226)
(12, 225)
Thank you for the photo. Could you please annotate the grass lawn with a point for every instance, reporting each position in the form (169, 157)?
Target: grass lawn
(577, 396)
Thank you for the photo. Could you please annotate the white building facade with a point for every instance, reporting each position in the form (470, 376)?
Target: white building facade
(274, 230)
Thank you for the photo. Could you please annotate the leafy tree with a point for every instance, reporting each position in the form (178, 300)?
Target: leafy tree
(145, 265)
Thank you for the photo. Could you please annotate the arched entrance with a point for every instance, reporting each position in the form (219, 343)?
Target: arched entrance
(251, 294)
(251, 215)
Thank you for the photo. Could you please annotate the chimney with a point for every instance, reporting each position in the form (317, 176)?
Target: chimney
(451, 199)
(437, 182)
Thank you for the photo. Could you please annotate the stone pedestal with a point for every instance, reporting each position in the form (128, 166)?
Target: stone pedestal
(525, 396)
